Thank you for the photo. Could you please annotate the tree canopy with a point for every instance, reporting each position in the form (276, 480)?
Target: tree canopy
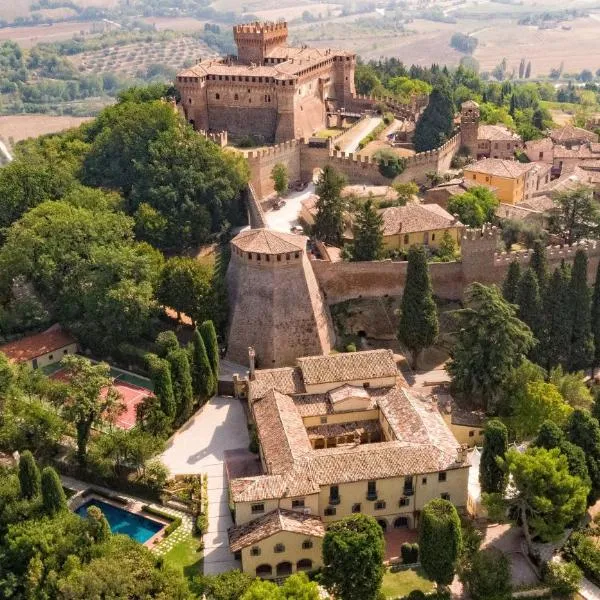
(435, 125)
(475, 207)
(329, 224)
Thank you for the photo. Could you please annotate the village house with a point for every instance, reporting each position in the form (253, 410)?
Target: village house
(570, 136)
(540, 150)
(497, 141)
(41, 349)
(466, 425)
(442, 193)
(338, 435)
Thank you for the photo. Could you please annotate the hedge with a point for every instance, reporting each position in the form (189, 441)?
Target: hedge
(175, 522)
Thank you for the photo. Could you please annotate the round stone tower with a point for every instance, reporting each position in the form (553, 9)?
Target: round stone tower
(469, 126)
(276, 305)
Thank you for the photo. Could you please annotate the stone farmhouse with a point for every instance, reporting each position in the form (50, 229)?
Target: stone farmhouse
(339, 434)
(270, 90)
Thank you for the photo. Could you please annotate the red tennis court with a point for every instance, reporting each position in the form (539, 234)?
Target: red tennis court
(131, 396)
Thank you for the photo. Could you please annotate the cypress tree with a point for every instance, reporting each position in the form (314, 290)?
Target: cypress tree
(98, 525)
(202, 376)
(418, 327)
(182, 384)
(528, 70)
(530, 305)
(167, 342)
(595, 313)
(539, 264)
(495, 444)
(160, 373)
(209, 337)
(556, 338)
(436, 122)
(53, 495)
(29, 476)
(511, 283)
(440, 541)
(549, 436)
(329, 222)
(368, 234)
(582, 341)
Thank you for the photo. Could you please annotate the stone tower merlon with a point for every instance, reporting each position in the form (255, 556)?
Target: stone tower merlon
(276, 305)
(469, 126)
(256, 40)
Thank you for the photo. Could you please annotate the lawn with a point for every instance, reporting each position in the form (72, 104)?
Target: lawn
(403, 582)
(327, 133)
(185, 555)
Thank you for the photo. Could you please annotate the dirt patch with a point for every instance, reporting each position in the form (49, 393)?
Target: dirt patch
(15, 128)
(372, 147)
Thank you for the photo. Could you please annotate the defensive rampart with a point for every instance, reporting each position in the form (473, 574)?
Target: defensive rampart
(302, 159)
(341, 281)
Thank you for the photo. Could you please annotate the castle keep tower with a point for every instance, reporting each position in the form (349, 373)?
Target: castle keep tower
(256, 40)
(469, 126)
(275, 302)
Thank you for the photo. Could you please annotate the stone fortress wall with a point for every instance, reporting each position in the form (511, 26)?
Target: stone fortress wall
(301, 160)
(480, 262)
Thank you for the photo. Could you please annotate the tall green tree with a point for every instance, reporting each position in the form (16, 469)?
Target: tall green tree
(99, 527)
(539, 264)
(556, 340)
(475, 207)
(209, 337)
(595, 314)
(435, 124)
(186, 286)
(583, 430)
(495, 444)
(229, 585)
(53, 494)
(29, 476)
(529, 302)
(491, 342)
(544, 497)
(203, 378)
(182, 384)
(582, 340)
(160, 374)
(418, 327)
(280, 177)
(368, 233)
(511, 282)
(578, 216)
(440, 541)
(329, 219)
(353, 552)
(167, 342)
(91, 398)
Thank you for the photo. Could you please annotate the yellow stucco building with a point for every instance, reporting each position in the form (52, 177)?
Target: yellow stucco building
(338, 435)
(506, 176)
(418, 224)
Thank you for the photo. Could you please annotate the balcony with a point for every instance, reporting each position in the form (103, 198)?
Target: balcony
(334, 500)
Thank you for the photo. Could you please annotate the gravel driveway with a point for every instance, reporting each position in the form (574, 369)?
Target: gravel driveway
(199, 447)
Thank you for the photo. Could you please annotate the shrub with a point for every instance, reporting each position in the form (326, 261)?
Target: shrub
(351, 347)
(488, 576)
(175, 524)
(254, 443)
(409, 553)
(390, 164)
(416, 595)
(582, 549)
(563, 578)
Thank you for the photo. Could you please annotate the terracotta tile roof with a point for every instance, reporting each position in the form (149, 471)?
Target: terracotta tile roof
(267, 241)
(495, 133)
(542, 145)
(459, 416)
(516, 211)
(348, 366)
(570, 132)
(539, 203)
(329, 430)
(296, 482)
(287, 380)
(583, 152)
(32, 346)
(569, 180)
(313, 405)
(220, 67)
(416, 217)
(281, 431)
(348, 391)
(272, 523)
(499, 167)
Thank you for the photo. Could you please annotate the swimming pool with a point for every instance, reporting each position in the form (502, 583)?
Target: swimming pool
(137, 527)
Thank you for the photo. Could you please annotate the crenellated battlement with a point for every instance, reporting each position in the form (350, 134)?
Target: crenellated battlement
(554, 254)
(259, 27)
(218, 137)
(271, 151)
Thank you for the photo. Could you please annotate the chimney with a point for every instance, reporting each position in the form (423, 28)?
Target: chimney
(252, 363)
(461, 455)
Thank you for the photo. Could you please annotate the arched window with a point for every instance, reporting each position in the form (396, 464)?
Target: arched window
(283, 569)
(401, 523)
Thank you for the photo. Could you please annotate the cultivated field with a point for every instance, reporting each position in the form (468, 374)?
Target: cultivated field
(133, 58)
(10, 9)
(15, 128)
(27, 37)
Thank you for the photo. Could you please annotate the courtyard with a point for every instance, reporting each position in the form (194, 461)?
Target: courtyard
(200, 446)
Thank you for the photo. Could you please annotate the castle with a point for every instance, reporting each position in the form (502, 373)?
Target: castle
(269, 90)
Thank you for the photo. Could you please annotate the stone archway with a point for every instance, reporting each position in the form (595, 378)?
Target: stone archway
(402, 523)
(263, 571)
(283, 569)
(304, 564)
(383, 524)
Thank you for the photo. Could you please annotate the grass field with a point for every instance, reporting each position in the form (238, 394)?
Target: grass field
(401, 583)
(185, 556)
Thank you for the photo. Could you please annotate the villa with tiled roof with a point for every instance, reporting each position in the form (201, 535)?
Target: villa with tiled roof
(338, 434)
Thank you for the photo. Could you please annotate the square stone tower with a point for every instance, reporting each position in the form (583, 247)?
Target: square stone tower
(469, 126)
(256, 40)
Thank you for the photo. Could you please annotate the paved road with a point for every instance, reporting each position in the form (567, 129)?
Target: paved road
(287, 216)
(349, 142)
(198, 447)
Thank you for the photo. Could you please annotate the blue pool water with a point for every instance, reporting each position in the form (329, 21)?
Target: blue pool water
(135, 526)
